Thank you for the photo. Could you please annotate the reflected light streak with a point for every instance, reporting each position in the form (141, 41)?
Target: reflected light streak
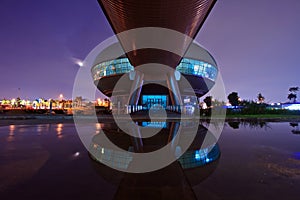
(59, 130)
(11, 134)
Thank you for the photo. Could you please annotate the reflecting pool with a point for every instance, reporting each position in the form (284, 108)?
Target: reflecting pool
(249, 161)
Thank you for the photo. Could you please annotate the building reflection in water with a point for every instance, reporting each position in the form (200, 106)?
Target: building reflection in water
(59, 129)
(175, 181)
(11, 133)
(42, 128)
(39, 129)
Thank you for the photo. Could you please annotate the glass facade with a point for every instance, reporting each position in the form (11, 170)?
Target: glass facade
(151, 100)
(113, 67)
(198, 68)
(186, 66)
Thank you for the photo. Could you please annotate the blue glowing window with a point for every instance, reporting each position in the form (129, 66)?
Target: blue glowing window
(198, 68)
(151, 100)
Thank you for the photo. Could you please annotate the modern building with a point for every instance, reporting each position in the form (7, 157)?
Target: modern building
(155, 87)
(198, 67)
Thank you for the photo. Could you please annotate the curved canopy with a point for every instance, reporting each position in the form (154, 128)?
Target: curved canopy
(184, 16)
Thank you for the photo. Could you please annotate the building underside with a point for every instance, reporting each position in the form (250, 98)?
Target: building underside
(186, 17)
(153, 86)
(197, 67)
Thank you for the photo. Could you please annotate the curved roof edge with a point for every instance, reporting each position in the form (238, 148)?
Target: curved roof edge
(195, 51)
(198, 52)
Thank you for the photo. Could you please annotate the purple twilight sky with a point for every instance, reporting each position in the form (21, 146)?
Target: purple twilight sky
(255, 43)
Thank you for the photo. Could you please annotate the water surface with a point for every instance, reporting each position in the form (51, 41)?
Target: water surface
(48, 161)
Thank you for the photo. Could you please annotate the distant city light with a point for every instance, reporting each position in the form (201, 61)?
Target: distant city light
(68, 105)
(292, 107)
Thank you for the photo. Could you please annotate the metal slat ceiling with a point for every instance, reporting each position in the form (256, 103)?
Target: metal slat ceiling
(184, 16)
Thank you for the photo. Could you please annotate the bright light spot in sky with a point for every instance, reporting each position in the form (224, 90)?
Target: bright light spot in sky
(80, 63)
(76, 154)
(77, 61)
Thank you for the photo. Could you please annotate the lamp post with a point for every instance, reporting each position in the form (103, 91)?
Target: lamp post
(61, 97)
(50, 106)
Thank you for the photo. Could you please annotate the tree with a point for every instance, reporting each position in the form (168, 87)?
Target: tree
(292, 96)
(260, 98)
(207, 101)
(18, 102)
(234, 125)
(294, 89)
(293, 93)
(233, 98)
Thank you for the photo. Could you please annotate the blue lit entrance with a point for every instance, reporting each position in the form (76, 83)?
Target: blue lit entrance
(150, 100)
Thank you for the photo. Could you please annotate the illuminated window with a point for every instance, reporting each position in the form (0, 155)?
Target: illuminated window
(153, 100)
(118, 66)
(198, 68)
(186, 66)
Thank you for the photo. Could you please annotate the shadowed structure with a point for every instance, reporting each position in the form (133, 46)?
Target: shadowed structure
(183, 16)
(158, 33)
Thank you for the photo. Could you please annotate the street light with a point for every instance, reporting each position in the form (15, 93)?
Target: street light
(61, 96)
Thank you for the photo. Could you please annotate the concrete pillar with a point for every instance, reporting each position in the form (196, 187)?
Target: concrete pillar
(136, 87)
(174, 89)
